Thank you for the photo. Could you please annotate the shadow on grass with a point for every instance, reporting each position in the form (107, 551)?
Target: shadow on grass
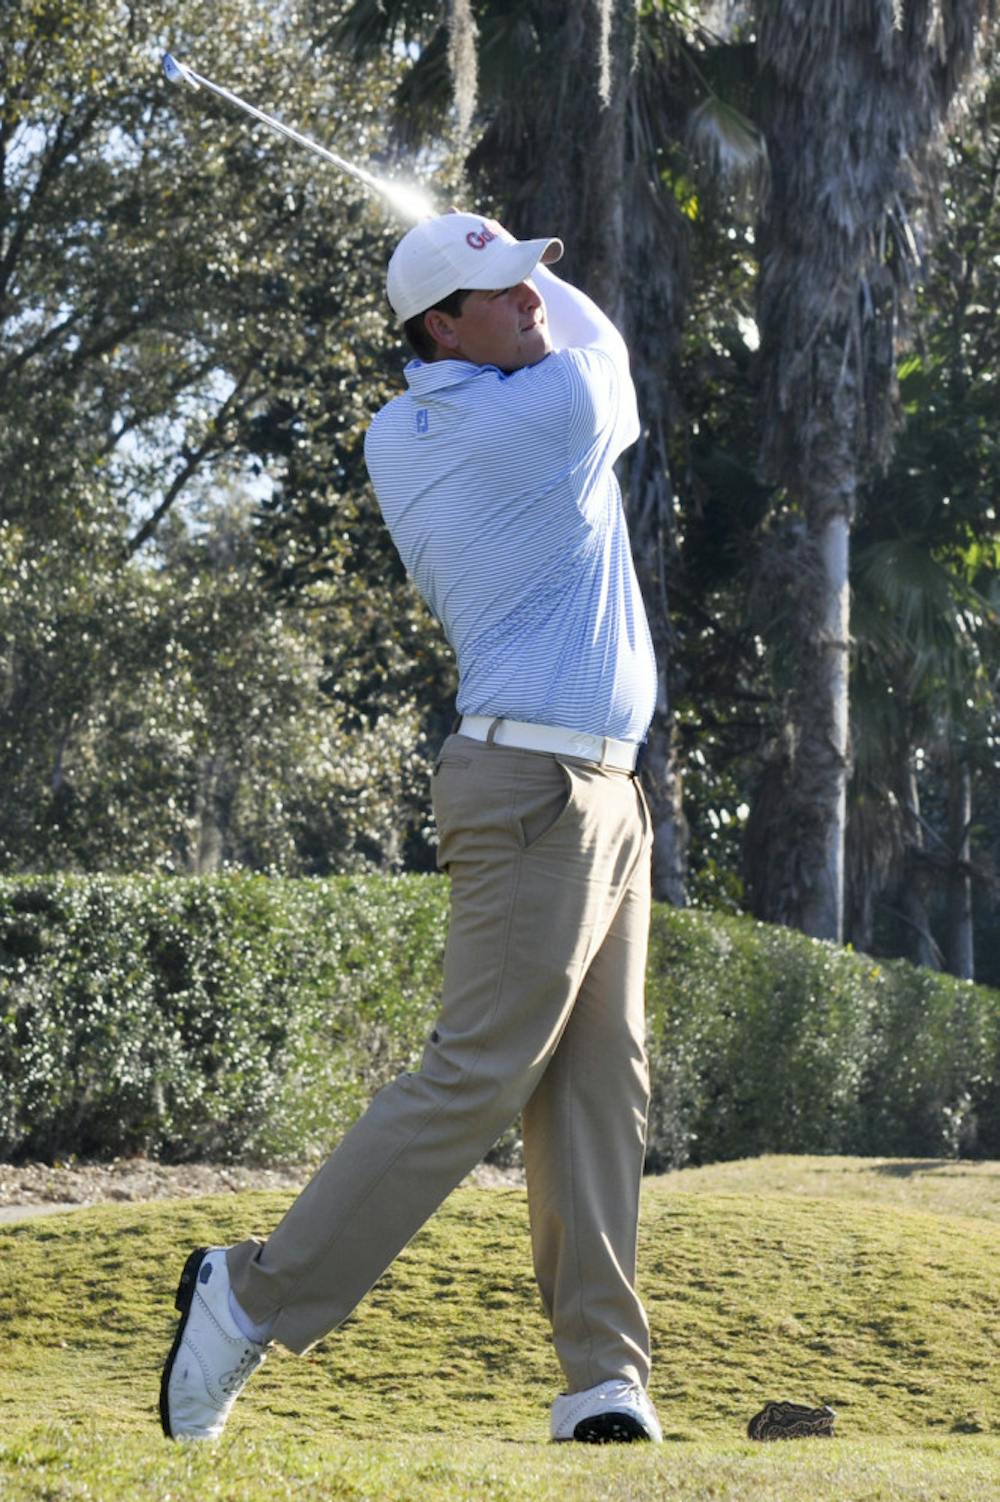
(908, 1168)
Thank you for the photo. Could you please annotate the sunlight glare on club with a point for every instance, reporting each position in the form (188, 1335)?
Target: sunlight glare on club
(408, 199)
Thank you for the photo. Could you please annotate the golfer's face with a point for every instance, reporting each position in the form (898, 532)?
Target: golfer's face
(506, 328)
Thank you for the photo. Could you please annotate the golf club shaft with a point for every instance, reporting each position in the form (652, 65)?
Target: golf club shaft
(176, 71)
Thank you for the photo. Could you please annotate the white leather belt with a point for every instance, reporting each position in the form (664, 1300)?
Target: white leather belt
(602, 749)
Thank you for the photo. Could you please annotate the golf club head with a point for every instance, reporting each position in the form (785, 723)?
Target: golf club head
(176, 72)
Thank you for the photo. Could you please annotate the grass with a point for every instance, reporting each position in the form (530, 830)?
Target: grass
(83, 1465)
(439, 1386)
(941, 1185)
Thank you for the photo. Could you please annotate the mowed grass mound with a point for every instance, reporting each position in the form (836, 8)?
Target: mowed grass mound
(945, 1186)
(890, 1314)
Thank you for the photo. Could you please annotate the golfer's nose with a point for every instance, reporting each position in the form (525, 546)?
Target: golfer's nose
(528, 296)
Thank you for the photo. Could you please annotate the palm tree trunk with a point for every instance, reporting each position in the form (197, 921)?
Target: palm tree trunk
(557, 158)
(649, 501)
(853, 94)
(798, 828)
(922, 948)
(823, 756)
(583, 182)
(959, 941)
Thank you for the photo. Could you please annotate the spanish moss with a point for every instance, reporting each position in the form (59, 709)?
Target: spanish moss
(462, 61)
(604, 10)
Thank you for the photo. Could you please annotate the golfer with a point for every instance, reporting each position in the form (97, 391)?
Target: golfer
(494, 472)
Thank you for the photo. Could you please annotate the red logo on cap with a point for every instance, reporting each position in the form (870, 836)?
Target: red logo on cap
(480, 240)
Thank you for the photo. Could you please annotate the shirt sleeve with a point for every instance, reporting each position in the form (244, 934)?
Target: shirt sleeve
(599, 354)
(576, 323)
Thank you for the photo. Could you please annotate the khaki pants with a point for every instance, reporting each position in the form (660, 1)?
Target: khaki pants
(542, 1011)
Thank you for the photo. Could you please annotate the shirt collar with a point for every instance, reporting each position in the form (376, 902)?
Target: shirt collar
(423, 377)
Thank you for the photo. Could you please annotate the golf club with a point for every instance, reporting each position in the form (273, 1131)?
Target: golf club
(410, 203)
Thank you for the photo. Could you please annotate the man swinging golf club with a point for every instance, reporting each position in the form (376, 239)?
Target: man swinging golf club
(494, 472)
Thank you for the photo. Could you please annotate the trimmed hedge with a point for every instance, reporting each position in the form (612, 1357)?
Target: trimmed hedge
(250, 1018)
(240, 1018)
(763, 1040)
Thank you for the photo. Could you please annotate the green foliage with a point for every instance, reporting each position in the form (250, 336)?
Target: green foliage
(766, 1041)
(176, 719)
(193, 324)
(232, 1018)
(247, 1018)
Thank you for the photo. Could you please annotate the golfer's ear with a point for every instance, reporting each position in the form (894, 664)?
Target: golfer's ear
(441, 328)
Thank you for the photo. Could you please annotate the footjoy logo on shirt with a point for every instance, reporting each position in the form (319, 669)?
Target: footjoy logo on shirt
(479, 239)
(423, 420)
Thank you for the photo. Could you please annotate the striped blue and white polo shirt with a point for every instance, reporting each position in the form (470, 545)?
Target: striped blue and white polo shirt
(498, 491)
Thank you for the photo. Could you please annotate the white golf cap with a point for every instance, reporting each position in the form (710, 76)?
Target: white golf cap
(439, 256)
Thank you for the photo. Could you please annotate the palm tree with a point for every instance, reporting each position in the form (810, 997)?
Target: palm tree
(853, 96)
(926, 587)
(577, 105)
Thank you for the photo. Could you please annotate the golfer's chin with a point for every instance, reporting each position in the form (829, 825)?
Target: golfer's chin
(534, 346)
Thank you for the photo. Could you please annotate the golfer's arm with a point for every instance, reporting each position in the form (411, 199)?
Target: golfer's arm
(575, 322)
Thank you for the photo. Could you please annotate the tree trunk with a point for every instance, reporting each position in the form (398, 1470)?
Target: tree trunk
(959, 943)
(921, 946)
(663, 783)
(649, 502)
(206, 853)
(582, 184)
(796, 833)
(823, 758)
(565, 165)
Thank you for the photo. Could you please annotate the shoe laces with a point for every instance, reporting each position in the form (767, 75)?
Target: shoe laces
(233, 1380)
(622, 1389)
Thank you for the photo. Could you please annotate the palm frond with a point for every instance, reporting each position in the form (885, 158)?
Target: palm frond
(728, 143)
(367, 27)
(915, 620)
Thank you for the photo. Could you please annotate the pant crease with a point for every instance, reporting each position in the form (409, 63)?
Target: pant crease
(574, 1240)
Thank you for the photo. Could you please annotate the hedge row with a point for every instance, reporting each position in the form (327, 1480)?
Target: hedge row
(247, 1018)
(765, 1041)
(232, 1019)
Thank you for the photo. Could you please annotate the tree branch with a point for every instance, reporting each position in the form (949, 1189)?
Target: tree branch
(192, 462)
(139, 416)
(61, 148)
(42, 343)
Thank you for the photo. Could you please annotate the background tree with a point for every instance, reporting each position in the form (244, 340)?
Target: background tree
(175, 291)
(925, 698)
(853, 96)
(208, 651)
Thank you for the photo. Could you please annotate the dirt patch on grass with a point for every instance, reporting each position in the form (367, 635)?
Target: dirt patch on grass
(81, 1183)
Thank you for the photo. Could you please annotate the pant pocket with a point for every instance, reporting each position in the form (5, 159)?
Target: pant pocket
(450, 759)
(540, 810)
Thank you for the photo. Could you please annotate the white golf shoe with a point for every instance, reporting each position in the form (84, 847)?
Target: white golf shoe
(614, 1411)
(210, 1359)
